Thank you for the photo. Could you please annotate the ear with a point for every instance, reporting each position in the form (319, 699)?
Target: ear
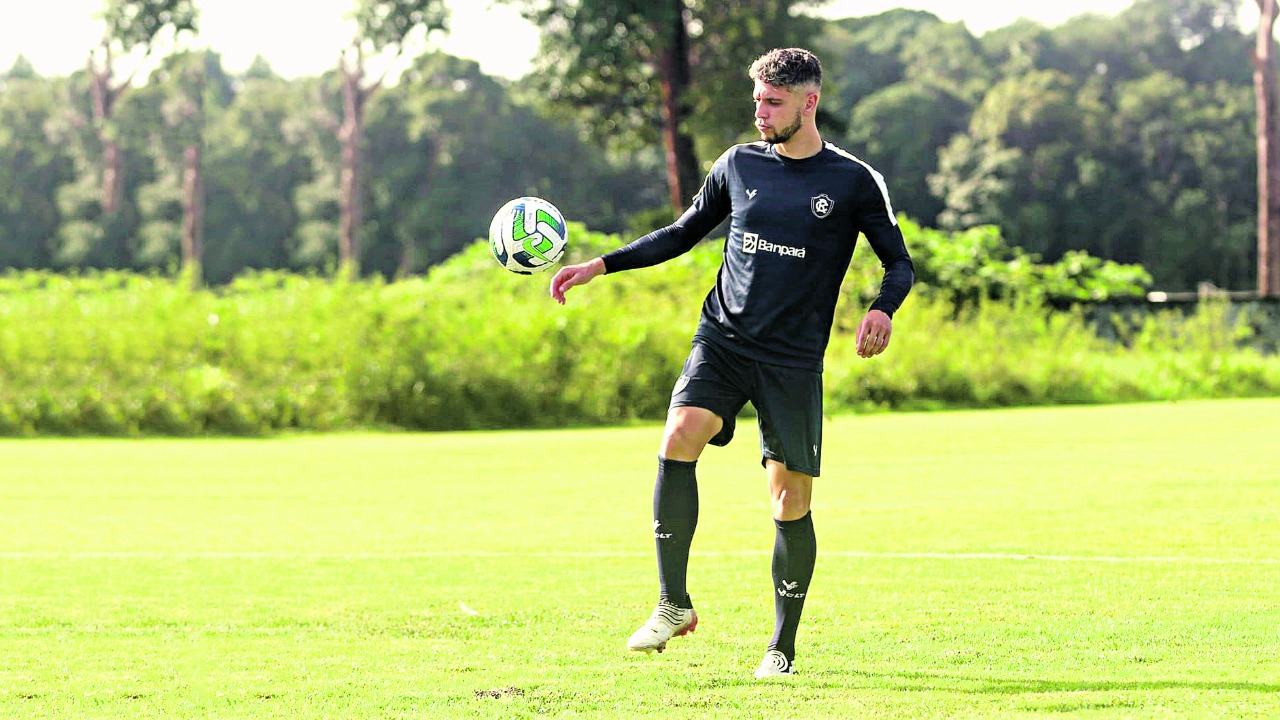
(810, 103)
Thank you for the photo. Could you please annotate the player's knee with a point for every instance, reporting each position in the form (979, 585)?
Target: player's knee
(687, 433)
(680, 442)
(790, 507)
(792, 492)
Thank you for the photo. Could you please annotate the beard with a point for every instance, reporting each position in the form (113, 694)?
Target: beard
(784, 134)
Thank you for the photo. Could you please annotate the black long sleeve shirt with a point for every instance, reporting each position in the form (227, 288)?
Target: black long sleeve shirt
(792, 230)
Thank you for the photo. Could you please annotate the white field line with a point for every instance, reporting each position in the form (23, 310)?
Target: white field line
(251, 555)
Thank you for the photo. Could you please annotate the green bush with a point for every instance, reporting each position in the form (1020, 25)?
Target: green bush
(471, 346)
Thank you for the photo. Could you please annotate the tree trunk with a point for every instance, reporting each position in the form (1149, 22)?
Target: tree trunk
(192, 213)
(406, 261)
(349, 194)
(674, 74)
(104, 97)
(193, 178)
(104, 100)
(112, 175)
(1267, 97)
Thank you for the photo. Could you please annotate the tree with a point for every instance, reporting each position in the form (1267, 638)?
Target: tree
(447, 146)
(899, 129)
(383, 27)
(946, 56)
(1267, 99)
(185, 112)
(179, 98)
(1185, 150)
(131, 25)
(725, 38)
(625, 67)
(624, 64)
(1166, 34)
(255, 161)
(1017, 164)
(31, 168)
(863, 55)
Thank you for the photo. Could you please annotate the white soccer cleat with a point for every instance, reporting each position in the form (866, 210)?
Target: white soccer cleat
(666, 622)
(774, 664)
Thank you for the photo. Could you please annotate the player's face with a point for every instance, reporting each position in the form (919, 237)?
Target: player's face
(778, 112)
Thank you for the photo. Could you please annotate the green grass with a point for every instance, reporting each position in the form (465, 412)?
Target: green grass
(1084, 562)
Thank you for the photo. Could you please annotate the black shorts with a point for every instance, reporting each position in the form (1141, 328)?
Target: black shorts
(788, 402)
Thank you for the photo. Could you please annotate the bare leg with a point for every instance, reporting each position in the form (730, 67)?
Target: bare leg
(688, 431)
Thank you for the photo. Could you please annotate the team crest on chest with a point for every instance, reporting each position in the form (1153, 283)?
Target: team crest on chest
(821, 205)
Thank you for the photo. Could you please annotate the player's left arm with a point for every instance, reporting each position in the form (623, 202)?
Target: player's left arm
(879, 225)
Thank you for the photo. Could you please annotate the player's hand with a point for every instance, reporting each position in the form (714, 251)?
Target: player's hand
(873, 333)
(571, 275)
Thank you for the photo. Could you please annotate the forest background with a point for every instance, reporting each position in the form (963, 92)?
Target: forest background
(200, 251)
(1129, 137)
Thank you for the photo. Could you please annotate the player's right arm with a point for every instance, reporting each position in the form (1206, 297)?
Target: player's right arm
(571, 275)
(710, 207)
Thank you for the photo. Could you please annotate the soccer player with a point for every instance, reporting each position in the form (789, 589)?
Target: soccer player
(796, 205)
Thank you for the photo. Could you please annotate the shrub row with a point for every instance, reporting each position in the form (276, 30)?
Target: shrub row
(471, 346)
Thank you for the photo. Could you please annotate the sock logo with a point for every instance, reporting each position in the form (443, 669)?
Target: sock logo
(659, 535)
(787, 590)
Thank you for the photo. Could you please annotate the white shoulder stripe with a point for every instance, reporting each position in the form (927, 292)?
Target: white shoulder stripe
(884, 189)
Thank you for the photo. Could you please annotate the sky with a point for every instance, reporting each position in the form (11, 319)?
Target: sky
(304, 37)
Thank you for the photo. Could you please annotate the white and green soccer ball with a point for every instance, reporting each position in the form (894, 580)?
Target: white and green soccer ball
(528, 235)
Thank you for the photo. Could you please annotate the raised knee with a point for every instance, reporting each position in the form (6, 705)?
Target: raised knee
(678, 440)
(687, 433)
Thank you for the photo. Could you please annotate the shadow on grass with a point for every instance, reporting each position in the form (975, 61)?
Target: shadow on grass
(915, 681)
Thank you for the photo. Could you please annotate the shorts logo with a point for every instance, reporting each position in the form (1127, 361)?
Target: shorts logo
(680, 384)
(752, 243)
(821, 205)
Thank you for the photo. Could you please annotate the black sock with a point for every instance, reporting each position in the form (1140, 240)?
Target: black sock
(675, 517)
(795, 550)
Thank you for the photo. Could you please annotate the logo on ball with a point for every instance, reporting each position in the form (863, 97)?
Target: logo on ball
(528, 235)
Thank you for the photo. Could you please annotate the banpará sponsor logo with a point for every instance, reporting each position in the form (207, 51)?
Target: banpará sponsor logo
(753, 243)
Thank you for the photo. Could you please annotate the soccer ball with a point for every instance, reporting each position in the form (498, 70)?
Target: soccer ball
(527, 235)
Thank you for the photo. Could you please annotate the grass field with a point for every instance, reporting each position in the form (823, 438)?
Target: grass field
(1083, 562)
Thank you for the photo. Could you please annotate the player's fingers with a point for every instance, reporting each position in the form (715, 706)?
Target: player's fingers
(862, 331)
(571, 277)
(558, 287)
(874, 342)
